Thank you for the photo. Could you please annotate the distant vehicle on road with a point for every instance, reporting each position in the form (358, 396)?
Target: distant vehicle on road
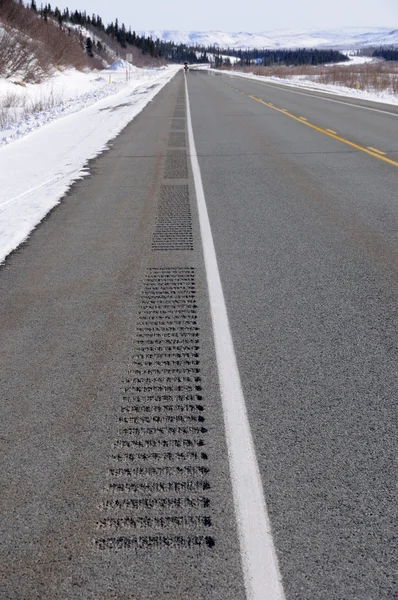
(186, 68)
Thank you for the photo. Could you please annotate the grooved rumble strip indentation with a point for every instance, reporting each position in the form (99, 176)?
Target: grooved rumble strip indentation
(177, 138)
(176, 166)
(179, 113)
(158, 489)
(178, 124)
(174, 223)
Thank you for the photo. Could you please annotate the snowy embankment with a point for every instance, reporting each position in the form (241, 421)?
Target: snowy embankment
(303, 82)
(26, 106)
(45, 152)
(308, 83)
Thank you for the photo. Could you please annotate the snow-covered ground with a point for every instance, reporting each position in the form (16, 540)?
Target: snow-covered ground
(26, 107)
(354, 60)
(45, 152)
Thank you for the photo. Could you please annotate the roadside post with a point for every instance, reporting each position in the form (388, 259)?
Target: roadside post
(129, 59)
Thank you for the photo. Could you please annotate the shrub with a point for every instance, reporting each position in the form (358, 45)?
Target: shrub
(30, 46)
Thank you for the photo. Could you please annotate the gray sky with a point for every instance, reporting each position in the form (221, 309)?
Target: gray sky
(233, 15)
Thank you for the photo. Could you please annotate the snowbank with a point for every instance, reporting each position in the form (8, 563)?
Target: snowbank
(304, 82)
(26, 107)
(122, 65)
(38, 168)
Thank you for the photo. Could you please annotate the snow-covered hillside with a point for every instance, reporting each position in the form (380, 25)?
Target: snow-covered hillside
(344, 38)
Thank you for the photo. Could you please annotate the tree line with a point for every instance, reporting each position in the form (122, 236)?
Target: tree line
(119, 33)
(179, 53)
(221, 56)
(269, 58)
(386, 53)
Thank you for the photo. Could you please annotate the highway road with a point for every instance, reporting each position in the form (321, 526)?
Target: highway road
(198, 358)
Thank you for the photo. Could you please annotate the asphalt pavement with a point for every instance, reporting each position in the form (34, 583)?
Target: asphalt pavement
(306, 235)
(115, 476)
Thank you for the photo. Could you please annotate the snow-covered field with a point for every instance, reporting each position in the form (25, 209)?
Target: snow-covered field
(354, 60)
(44, 152)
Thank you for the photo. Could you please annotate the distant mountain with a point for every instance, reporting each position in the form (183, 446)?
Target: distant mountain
(346, 38)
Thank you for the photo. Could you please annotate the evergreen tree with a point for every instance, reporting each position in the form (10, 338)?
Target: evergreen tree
(89, 47)
(386, 53)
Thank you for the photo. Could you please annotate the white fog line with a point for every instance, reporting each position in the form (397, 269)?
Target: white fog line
(259, 561)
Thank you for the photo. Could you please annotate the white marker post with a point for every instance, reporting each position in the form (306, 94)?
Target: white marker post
(129, 59)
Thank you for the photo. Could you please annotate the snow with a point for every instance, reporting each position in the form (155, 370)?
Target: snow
(212, 57)
(91, 33)
(45, 154)
(121, 65)
(355, 60)
(64, 93)
(345, 37)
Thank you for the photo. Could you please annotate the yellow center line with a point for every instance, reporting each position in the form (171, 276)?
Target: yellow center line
(331, 131)
(376, 150)
(332, 135)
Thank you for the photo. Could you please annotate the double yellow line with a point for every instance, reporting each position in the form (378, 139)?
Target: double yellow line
(329, 132)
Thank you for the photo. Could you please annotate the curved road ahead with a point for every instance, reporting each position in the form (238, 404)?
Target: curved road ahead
(128, 470)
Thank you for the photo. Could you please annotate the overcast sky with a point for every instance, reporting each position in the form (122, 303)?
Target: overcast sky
(233, 15)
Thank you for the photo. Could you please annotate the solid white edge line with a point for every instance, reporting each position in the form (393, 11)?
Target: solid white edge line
(285, 87)
(259, 562)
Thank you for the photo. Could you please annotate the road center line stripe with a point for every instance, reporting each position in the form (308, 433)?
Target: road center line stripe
(376, 150)
(331, 131)
(327, 132)
(259, 562)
